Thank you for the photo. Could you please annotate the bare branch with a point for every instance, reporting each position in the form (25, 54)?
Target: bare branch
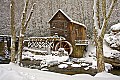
(30, 15)
(24, 13)
(96, 16)
(104, 8)
(22, 32)
(111, 8)
(103, 30)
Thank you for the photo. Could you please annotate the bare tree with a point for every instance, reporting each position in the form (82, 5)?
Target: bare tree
(13, 32)
(99, 31)
(24, 24)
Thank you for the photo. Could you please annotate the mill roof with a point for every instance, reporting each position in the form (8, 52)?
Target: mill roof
(75, 22)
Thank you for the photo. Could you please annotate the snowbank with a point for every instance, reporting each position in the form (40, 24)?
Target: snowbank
(90, 56)
(106, 75)
(14, 72)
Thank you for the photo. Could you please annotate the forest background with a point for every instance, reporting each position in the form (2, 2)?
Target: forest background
(78, 10)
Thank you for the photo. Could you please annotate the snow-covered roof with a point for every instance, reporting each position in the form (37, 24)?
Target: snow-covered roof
(5, 35)
(67, 18)
(115, 27)
(62, 13)
(79, 23)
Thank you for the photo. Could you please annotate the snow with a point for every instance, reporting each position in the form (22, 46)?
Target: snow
(90, 56)
(63, 13)
(113, 39)
(77, 44)
(48, 58)
(84, 64)
(67, 62)
(115, 27)
(14, 72)
(107, 50)
(76, 65)
(78, 23)
(106, 75)
(62, 66)
(96, 18)
(108, 67)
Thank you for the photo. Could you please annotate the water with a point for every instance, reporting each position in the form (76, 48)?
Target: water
(69, 70)
(115, 71)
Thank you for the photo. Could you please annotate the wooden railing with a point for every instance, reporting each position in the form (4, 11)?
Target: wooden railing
(81, 42)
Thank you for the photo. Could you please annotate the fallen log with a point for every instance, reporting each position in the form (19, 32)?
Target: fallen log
(112, 61)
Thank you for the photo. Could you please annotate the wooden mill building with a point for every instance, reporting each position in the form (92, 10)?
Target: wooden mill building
(73, 31)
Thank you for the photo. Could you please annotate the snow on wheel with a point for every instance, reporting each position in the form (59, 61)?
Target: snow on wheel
(64, 44)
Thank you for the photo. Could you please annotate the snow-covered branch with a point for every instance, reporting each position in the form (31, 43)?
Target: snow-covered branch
(30, 15)
(111, 8)
(23, 29)
(104, 8)
(105, 21)
(24, 13)
(96, 16)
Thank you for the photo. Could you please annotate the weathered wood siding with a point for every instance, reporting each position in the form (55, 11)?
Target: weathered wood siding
(78, 51)
(60, 25)
(77, 32)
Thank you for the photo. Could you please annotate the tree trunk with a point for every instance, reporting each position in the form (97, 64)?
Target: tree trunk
(21, 35)
(13, 33)
(101, 32)
(21, 38)
(100, 55)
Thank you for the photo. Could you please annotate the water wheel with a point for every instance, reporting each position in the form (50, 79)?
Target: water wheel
(64, 44)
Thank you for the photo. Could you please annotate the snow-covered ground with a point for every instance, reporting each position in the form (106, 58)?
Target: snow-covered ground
(89, 57)
(44, 57)
(14, 72)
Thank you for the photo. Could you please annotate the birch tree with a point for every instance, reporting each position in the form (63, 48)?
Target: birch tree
(24, 25)
(99, 31)
(13, 32)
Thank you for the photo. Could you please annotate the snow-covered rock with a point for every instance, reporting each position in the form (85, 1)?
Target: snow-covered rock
(115, 27)
(62, 66)
(113, 39)
(48, 58)
(76, 65)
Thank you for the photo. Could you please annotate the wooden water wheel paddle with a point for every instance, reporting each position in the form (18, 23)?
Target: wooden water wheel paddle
(64, 44)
